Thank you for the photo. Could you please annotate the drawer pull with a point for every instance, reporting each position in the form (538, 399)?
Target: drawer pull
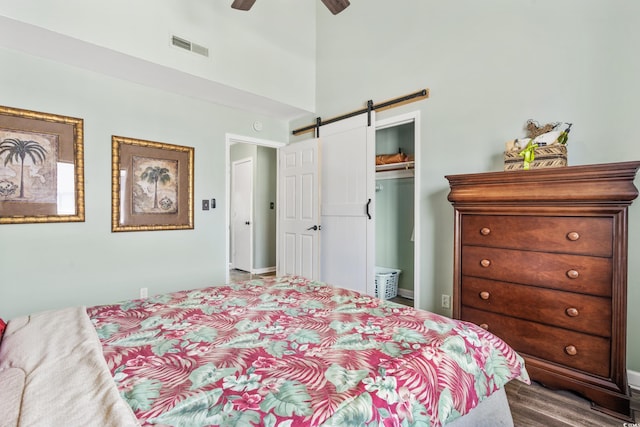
(572, 312)
(573, 236)
(484, 326)
(485, 263)
(485, 231)
(485, 295)
(571, 350)
(573, 274)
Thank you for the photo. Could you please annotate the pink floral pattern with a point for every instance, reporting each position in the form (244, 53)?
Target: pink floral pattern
(293, 352)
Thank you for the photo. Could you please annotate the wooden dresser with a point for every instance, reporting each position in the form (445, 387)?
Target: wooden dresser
(540, 260)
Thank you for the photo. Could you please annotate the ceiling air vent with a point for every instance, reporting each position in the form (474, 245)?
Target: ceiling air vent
(187, 45)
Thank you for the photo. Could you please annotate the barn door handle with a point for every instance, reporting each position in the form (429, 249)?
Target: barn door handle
(368, 214)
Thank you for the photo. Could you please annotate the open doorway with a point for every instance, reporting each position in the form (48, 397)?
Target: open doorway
(398, 204)
(251, 195)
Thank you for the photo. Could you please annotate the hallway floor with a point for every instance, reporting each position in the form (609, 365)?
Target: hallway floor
(240, 275)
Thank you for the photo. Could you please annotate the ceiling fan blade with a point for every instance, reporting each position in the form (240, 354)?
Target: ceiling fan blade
(336, 6)
(242, 4)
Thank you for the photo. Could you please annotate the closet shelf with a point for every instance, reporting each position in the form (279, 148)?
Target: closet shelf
(395, 170)
(395, 166)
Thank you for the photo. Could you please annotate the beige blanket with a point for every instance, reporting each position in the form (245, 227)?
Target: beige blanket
(53, 373)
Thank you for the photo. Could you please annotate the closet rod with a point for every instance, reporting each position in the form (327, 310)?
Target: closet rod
(424, 93)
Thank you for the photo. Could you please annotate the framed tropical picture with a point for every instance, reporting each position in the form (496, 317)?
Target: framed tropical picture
(151, 185)
(41, 167)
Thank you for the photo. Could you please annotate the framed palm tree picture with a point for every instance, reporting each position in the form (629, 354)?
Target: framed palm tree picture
(151, 185)
(41, 167)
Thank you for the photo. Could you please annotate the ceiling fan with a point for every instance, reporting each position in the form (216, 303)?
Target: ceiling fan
(335, 6)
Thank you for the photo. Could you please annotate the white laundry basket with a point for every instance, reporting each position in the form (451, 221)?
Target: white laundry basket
(387, 282)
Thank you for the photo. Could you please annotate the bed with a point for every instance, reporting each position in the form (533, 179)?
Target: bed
(281, 351)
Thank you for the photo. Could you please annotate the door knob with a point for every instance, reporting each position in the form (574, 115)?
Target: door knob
(314, 228)
(247, 222)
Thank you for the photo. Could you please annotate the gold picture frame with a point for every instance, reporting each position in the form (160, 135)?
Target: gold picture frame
(151, 185)
(41, 167)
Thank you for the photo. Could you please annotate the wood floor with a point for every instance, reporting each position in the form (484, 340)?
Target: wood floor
(536, 406)
(240, 275)
(403, 301)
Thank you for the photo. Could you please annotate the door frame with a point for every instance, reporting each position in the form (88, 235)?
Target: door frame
(231, 139)
(398, 120)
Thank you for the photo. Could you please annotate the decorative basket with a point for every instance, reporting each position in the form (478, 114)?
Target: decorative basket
(387, 282)
(551, 156)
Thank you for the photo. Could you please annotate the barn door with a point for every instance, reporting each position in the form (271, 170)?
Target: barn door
(347, 249)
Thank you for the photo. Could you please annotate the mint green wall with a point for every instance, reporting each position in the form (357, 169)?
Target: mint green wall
(45, 266)
(389, 140)
(490, 66)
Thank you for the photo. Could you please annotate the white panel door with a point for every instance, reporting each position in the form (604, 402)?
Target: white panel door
(241, 214)
(299, 227)
(347, 252)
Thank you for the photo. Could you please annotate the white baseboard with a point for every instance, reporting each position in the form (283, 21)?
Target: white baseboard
(634, 379)
(405, 293)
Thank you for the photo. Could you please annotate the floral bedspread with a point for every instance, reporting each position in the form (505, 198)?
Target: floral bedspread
(293, 352)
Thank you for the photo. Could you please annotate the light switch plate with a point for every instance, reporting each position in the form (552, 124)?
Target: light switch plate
(205, 205)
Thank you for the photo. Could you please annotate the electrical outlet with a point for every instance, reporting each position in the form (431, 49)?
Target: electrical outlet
(446, 301)
(144, 292)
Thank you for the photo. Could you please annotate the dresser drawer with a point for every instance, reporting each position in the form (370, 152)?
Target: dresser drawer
(574, 273)
(582, 235)
(572, 349)
(584, 313)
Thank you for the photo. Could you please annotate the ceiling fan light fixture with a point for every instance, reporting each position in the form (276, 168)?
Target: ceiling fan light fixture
(242, 4)
(336, 6)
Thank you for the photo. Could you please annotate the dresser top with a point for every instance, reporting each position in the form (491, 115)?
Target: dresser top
(605, 183)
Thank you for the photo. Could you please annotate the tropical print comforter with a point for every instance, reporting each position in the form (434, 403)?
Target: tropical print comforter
(293, 352)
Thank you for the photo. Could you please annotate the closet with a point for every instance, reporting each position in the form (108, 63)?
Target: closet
(395, 190)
